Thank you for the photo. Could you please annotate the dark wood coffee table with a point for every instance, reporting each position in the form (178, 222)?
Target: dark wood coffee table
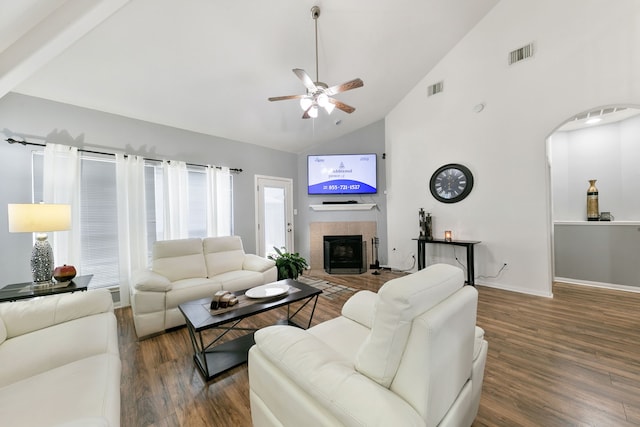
(212, 358)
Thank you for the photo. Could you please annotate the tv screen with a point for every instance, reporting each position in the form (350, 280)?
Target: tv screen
(342, 174)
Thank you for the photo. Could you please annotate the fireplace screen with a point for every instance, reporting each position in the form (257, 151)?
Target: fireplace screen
(344, 254)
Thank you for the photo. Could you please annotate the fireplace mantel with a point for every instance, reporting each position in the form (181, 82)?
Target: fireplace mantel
(344, 207)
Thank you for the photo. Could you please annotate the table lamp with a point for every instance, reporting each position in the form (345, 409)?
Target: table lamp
(40, 218)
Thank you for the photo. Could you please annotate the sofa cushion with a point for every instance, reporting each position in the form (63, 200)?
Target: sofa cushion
(238, 280)
(191, 289)
(45, 349)
(21, 317)
(223, 254)
(147, 280)
(86, 388)
(341, 334)
(257, 263)
(179, 259)
(3, 331)
(399, 302)
(359, 308)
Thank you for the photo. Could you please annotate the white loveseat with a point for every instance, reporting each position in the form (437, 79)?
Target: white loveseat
(410, 355)
(60, 361)
(187, 269)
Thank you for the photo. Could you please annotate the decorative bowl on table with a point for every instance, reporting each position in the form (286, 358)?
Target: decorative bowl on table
(268, 291)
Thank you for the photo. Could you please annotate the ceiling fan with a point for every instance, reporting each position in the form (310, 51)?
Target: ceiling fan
(319, 94)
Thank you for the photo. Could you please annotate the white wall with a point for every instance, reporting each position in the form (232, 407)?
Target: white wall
(608, 153)
(586, 56)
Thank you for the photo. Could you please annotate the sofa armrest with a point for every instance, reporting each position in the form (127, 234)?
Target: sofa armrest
(257, 263)
(22, 317)
(359, 308)
(331, 380)
(147, 280)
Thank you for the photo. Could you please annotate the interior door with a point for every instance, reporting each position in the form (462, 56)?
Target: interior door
(274, 216)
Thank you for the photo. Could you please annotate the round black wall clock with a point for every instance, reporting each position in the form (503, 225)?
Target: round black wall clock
(451, 183)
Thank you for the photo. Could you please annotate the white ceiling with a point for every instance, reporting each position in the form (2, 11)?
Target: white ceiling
(210, 65)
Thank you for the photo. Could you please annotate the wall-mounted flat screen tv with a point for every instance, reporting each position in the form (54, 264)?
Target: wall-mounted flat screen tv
(342, 174)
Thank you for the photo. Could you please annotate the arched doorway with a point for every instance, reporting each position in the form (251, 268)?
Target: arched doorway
(601, 144)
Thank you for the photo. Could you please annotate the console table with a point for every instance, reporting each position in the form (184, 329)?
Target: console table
(26, 290)
(467, 244)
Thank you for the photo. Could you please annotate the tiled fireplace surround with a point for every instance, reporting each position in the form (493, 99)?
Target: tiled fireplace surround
(319, 229)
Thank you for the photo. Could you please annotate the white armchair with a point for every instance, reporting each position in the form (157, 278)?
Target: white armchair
(410, 355)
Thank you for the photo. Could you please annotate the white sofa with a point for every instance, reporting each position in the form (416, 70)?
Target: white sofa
(187, 269)
(410, 355)
(60, 361)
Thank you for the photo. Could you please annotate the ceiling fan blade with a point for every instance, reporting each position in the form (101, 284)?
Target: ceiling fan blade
(353, 84)
(282, 98)
(342, 106)
(306, 80)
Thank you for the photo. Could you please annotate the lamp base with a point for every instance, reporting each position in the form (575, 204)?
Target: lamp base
(42, 262)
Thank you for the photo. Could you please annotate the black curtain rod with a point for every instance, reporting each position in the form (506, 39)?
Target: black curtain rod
(13, 141)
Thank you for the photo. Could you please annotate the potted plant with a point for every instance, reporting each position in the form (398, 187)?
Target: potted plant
(289, 265)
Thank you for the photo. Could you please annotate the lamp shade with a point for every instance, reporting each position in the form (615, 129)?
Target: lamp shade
(38, 217)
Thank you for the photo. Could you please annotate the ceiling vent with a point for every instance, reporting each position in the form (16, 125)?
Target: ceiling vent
(435, 88)
(598, 113)
(521, 54)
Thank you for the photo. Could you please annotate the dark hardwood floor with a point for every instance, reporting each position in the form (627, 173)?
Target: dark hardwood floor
(571, 360)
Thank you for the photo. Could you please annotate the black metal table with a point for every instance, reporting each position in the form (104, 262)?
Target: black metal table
(18, 291)
(468, 244)
(212, 358)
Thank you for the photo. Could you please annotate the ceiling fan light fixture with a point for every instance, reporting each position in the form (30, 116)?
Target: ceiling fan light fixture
(313, 112)
(305, 103)
(329, 107)
(323, 100)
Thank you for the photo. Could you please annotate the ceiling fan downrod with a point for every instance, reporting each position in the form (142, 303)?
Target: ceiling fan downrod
(315, 14)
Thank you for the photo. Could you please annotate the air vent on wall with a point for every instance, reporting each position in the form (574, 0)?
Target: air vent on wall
(522, 53)
(435, 88)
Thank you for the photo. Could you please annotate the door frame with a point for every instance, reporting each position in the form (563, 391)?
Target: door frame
(288, 185)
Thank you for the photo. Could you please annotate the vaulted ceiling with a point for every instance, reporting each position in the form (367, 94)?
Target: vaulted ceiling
(210, 65)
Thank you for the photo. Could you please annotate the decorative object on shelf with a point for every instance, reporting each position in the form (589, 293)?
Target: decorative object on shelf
(64, 273)
(606, 216)
(593, 213)
(289, 265)
(426, 230)
(448, 236)
(40, 218)
(451, 183)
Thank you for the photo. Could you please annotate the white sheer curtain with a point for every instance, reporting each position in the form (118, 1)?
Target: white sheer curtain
(61, 178)
(132, 220)
(176, 200)
(218, 201)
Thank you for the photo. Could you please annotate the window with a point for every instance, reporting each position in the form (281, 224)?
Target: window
(99, 215)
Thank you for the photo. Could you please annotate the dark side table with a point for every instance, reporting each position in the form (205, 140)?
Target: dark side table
(26, 290)
(467, 244)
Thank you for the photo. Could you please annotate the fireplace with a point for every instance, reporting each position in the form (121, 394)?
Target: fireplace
(344, 254)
